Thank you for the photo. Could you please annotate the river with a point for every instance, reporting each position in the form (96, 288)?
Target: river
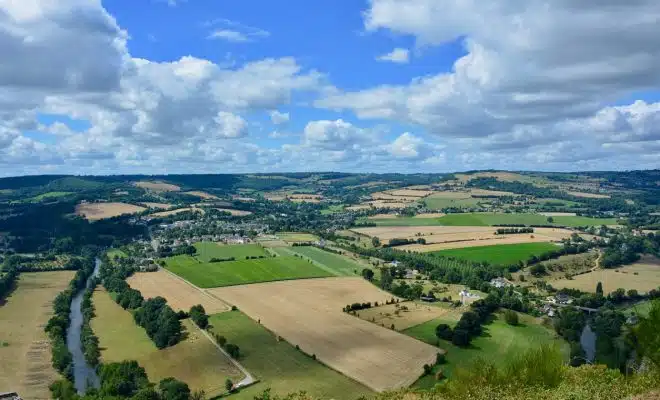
(84, 375)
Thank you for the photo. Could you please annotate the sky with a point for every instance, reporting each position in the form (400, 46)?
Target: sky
(236, 86)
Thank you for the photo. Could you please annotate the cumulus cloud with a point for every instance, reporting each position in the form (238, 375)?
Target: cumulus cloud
(279, 118)
(235, 32)
(398, 56)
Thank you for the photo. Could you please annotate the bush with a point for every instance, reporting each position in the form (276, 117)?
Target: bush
(440, 358)
(427, 369)
(443, 331)
(511, 317)
(460, 338)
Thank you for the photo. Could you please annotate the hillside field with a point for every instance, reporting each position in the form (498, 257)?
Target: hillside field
(278, 365)
(499, 342)
(503, 254)
(342, 265)
(97, 211)
(25, 360)
(208, 275)
(297, 237)
(309, 314)
(194, 360)
(208, 250)
(489, 219)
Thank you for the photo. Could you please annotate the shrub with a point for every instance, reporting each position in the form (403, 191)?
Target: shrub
(460, 338)
(443, 331)
(511, 317)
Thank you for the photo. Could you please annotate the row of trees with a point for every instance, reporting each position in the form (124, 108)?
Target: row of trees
(58, 324)
(513, 231)
(90, 342)
(160, 321)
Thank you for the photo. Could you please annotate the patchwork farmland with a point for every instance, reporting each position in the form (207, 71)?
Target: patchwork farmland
(500, 254)
(309, 314)
(209, 250)
(179, 294)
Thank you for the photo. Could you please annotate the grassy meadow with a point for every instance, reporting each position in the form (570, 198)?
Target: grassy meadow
(490, 219)
(498, 343)
(342, 265)
(501, 254)
(278, 365)
(208, 250)
(297, 237)
(194, 360)
(208, 275)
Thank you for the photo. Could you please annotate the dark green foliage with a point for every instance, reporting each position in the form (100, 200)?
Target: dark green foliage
(440, 358)
(428, 369)
(570, 323)
(368, 274)
(537, 270)
(63, 389)
(61, 357)
(229, 385)
(122, 379)
(172, 389)
(444, 331)
(233, 350)
(160, 322)
(599, 288)
(646, 335)
(199, 317)
(460, 338)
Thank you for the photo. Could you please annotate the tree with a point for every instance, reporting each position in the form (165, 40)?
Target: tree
(444, 332)
(375, 241)
(198, 315)
(460, 338)
(368, 274)
(511, 317)
(550, 220)
(229, 385)
(232, 350)
(537, 270)
(647, 337)
(599, 288)
(172, 389)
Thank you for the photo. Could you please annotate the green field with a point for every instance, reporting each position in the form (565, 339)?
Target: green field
(333, 209)
(405, 221)
(297, 237)
(278, 365)
(208, 275)
(208, 250)
(489, 219)
(342, 265)
(498, 343)
(46, 196)
(116, 253)
(500, 254)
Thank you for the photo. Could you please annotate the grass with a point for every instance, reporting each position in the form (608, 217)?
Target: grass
(439, 203)
(499, 343)
(208, 250)
(48, 195)
(405, 221)
(208, 275)
(194, 360)
(297, 237)
(278, 365)
(501, 254)
(116, 253)
(333, 209)
(342, 265)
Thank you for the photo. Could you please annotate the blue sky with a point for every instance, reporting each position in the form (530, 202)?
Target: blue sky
(119, 86)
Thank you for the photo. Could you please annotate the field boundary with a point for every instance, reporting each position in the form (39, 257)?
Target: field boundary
(196, 287)
(320, 265)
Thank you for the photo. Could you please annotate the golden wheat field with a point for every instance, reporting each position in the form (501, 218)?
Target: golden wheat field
(308, 313)
(97, 211)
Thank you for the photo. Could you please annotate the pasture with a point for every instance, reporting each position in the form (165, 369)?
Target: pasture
(504, 254)
(278, 365)
(587, 195)
(294, 237)
(208, 275)
(208, 250)
(403, 315)
(341, 265)
(411, 192)
(159, 206)
(48, 196)
(309, 314)
(179, 294)
(195, 360)
(25, 362)
(234, 213)
(499, 343)
(157, 186)
(643, 276)
(97, 211)
(488, 219)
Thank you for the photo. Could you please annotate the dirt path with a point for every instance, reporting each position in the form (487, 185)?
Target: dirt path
(600, 255)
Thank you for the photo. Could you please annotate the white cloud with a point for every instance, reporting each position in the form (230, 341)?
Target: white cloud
(398, 56)
(235, 32)
(279, 118)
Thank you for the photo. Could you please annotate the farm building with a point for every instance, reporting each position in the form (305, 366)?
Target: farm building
(10, 396)
(500, 282)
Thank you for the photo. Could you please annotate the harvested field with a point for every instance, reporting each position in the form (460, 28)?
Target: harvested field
(174, 212)
(157, 186)
(389, 196)
(589, 195)
(179, 294)
(202, 195)
(496, 193)
(495, 241)
(97, 211)
(25, 363)
(194, 360)
(403, 315)
(309, 314)
(359, 207)
(305, 196)
(236, 213)
(275, 197)
(304, 200)
(411, 192)
(388, 204)
(162, 206)
(643, 276)
(429, 215)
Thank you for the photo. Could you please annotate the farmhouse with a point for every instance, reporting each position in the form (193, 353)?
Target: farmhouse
(562, 298)
(10, 396)
(500, 282)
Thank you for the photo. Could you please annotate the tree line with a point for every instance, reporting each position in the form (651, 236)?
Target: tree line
(513, 231)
